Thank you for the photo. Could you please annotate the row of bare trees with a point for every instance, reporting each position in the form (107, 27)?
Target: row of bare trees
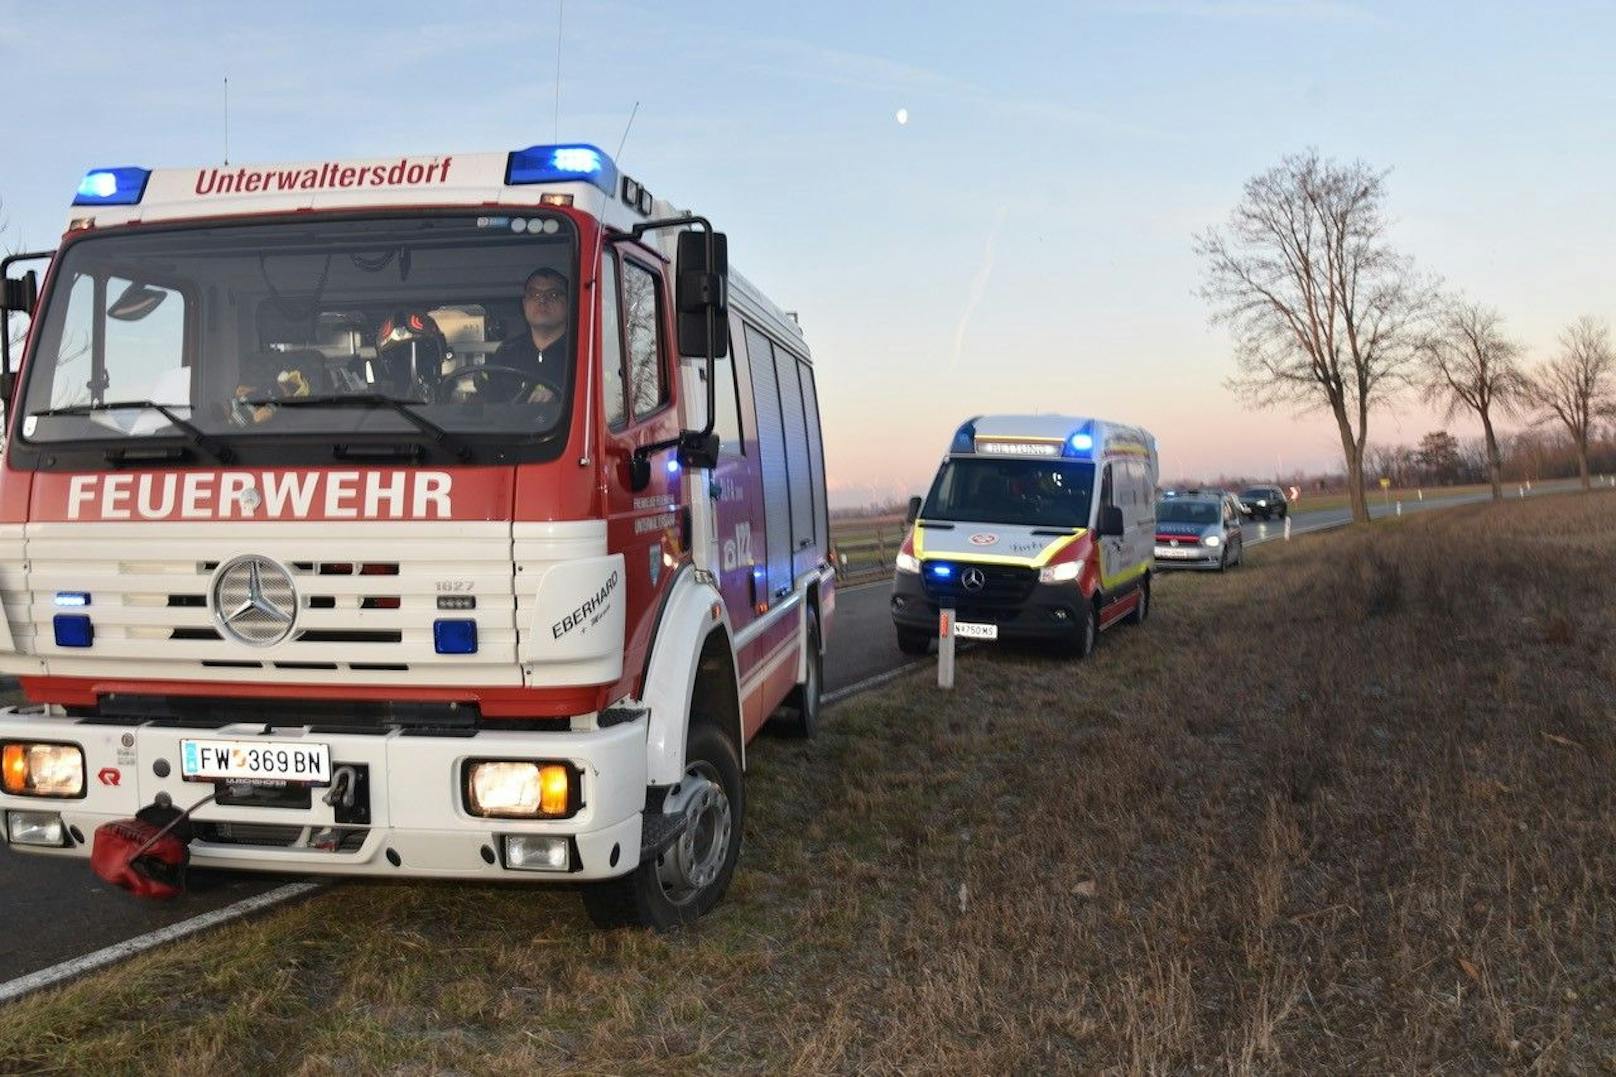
(1327, 315)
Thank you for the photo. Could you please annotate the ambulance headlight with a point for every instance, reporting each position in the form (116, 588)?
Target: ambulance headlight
(1212, 540)
(1065, 572)
(908, 562)
(42, 770)
(518, 789)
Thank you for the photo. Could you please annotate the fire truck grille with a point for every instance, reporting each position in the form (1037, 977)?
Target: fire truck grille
(339, 603)
(1002, 585)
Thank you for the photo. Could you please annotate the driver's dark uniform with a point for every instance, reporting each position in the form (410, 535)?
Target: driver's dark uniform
(552, 366)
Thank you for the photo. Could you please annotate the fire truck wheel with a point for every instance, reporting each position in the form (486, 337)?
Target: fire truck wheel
(692, 874)
(1141, 613)
(803, 703)
(914, 641)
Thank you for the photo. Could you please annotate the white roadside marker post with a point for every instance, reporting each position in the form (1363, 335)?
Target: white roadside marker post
(1287, 527)
(945, 647)
(1399, 508)
(1522, 491)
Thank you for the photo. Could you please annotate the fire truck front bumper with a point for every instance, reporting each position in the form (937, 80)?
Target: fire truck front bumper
(396, 802)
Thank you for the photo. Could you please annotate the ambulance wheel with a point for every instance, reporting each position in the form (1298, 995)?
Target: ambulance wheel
(1080, 644)
(1141, 613)
(803, 703)
(691, 875)
(914, 641)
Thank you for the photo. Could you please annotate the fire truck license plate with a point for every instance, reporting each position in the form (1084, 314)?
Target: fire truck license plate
(266, 760)
(967, 630)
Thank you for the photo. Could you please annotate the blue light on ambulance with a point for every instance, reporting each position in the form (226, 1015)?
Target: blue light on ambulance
(555, 164)
(942, 572)
(112, 187)
(1079, 444)
(72, 598)
(965, 437)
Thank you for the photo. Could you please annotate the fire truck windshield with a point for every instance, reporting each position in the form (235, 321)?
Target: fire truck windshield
(432, 324)
(1024, 493)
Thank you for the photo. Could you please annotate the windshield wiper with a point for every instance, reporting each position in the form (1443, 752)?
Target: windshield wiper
(200, 441)
(372, 401)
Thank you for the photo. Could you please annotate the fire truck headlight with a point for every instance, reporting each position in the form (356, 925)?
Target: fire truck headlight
(1064, 572)
(1212, 540)
(35, 828)
(908, 562)
(520, 790)
(42, 770)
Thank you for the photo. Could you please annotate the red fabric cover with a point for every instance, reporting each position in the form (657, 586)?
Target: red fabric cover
(159, 872)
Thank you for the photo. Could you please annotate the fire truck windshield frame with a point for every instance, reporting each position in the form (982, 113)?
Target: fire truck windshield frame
(214, 322)
(1016, 493)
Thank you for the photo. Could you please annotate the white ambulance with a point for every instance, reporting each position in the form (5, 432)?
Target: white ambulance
(1037, 528)
(455, 516)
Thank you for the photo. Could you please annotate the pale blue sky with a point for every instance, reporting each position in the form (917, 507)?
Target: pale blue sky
(1056, 164)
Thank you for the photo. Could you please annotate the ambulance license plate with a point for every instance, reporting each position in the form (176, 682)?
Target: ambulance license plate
(255, 760)
(968, 630)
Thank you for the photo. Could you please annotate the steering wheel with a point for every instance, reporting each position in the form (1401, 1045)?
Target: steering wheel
(506, 384)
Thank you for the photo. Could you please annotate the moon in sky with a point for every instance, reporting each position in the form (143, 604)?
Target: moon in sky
(903, 116)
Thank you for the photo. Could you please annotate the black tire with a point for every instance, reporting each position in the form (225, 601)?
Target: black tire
(1223, 561)
(1082, 641)
(1141, 613)
(802, 717)
(914, 641)
(1284, 512)
(648, 896)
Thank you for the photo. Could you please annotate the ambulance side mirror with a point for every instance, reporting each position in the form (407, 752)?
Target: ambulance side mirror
(701, 294)
(913, 512)
(1110, 522)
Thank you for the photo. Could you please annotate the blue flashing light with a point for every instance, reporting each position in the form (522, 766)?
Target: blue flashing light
(454, 636)
(965, 437)
(73, 630)
(673, 466)
(942, 571)
(1079, 444)
(112, 187)
(558, 164)
(72, 598)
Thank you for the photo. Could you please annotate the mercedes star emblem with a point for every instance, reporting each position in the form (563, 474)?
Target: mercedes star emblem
(973, 579)
(254, 600)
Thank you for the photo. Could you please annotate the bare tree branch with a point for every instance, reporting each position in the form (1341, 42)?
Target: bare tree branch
(1578, 387)
(1467, 364)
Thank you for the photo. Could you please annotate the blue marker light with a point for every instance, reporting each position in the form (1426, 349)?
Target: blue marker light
(558, 164)
(73, 630)
(964, 437)
(673, 466)
(944, 571)
(454, 637)
(72, 598)
(1082, 442)
(112, 187)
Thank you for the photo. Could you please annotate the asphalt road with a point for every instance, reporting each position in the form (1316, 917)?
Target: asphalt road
(55, 910)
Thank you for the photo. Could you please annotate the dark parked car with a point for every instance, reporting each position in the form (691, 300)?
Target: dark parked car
(1264, 501)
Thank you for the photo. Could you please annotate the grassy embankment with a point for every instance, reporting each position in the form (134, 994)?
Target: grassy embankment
(1348, 808)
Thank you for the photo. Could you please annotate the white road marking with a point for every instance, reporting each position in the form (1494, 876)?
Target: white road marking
(71, 969)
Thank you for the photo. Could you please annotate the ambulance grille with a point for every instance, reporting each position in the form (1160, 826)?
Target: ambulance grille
(1002, 585)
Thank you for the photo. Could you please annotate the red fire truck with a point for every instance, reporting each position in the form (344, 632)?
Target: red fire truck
(453, 516)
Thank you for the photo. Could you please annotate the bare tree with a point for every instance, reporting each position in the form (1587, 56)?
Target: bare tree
(1320, 306)
(1577, 387)
(1468, 364)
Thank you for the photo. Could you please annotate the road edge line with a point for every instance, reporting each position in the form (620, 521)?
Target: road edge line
(72, 969)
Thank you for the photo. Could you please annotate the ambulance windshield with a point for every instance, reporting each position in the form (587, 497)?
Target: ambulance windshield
(1027, 493)
(320, 334)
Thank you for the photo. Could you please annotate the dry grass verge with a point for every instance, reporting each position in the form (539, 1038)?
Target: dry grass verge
(1346, 809)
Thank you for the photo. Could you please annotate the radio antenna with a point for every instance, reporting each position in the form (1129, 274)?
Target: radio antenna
(227, 121)
(561, 8)
(618, 156)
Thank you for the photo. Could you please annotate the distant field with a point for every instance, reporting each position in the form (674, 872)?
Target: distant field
(1372, 830)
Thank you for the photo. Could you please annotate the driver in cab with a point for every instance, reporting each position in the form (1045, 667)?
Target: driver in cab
(543, 352)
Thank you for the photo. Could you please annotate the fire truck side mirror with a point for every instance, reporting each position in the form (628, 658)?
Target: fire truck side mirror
(21, 293)
(698, 450)
(702, 295)
(913, 512)
(639, 472)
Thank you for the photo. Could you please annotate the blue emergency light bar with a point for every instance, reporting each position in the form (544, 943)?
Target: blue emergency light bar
(965, 437)
(554, 164)
(1079, 444)
(112, 187)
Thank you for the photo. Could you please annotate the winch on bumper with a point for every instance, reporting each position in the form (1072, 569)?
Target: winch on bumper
(402, 810)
